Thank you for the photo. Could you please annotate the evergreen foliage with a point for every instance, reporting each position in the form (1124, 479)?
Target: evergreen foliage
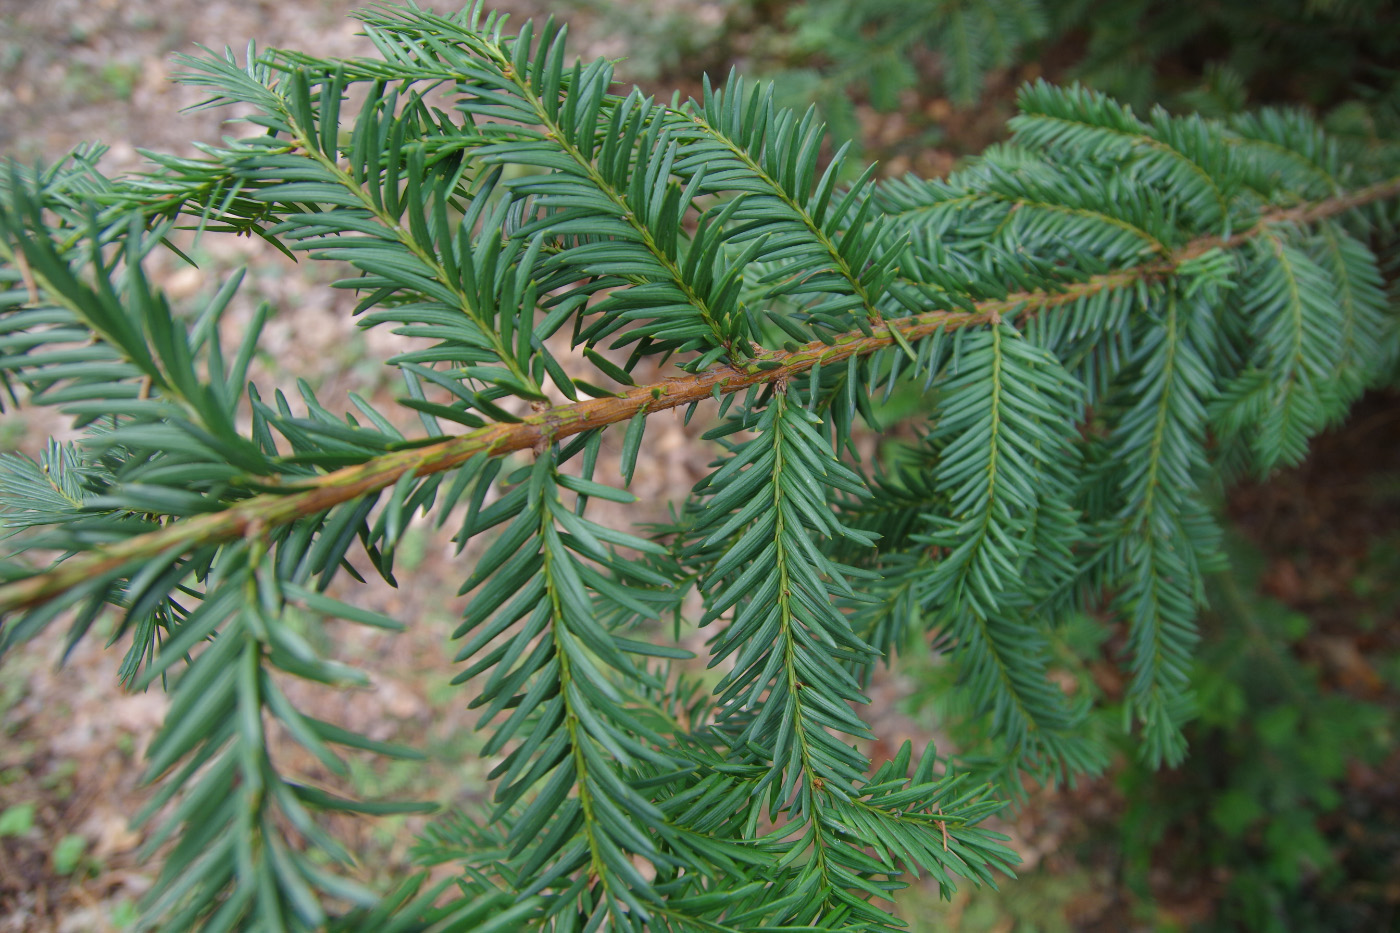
(1105, 315)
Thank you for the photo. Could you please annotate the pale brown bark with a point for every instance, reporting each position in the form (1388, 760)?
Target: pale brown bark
(258, 514)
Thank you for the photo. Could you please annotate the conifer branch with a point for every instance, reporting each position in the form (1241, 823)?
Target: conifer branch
(1090, 265)
(258, 514)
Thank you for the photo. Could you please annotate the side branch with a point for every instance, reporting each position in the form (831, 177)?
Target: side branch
(1300, 214)
(255, 515)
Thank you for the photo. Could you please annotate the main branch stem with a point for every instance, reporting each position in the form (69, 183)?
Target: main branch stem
(260, 513)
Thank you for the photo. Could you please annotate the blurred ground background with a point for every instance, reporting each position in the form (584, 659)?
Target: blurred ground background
(1318, 549)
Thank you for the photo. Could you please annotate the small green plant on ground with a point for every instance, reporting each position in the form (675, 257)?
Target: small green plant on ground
(1204, 57)
(1104, 314)
(1262, 801)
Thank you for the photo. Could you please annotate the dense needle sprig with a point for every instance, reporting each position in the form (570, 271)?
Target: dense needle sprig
(1104, 315)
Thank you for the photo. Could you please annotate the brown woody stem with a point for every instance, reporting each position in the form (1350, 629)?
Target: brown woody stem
(259, 513)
